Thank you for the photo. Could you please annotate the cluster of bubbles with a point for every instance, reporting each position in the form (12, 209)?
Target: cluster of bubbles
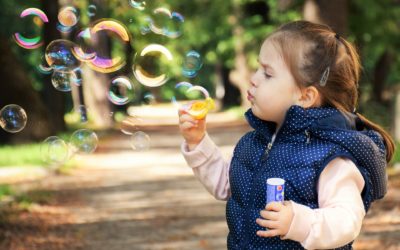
(55, 150)
(63, 60)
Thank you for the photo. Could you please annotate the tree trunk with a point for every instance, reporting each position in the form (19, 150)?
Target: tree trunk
(96, 84)
(53, 99)
(240, 75)
(16, 88)
(332, 13)
(381, 72)
(231, 94)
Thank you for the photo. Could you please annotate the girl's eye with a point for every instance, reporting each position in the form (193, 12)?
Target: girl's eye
(267, 75)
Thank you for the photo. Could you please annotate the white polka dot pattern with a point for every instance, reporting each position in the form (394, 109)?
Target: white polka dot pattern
(306, 142)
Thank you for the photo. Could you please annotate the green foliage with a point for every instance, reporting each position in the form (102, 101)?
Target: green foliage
(374, 26)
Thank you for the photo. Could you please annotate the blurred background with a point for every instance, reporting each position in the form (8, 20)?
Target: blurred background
(90, 150)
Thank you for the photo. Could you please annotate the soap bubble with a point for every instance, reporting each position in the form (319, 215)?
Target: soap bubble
(39, 17)
(44, 68)
(140, 5)
(62, 80)
(191, 64)
(151, 65)
(120, 91)
(140, 141)
(193, 104)
(68, 16)
(59, 55)
(149, 98)
(171, 23)
(83, 48)
(54, 150)
(117, 30)
(84, 141)
(13, 118)
(92, 10)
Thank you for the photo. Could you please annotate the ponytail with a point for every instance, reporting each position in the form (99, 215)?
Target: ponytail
(389, 143)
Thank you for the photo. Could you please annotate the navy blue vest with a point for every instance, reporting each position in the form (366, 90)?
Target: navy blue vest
(306, 142)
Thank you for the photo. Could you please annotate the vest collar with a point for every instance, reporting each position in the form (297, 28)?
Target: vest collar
(298, 120)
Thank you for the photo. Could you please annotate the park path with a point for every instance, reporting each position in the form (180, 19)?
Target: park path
(119, 199)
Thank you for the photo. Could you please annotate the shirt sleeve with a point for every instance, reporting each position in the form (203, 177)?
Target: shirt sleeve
(339, 196)
(209, 167)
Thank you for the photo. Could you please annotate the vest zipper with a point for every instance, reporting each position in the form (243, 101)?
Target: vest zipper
(269, 146)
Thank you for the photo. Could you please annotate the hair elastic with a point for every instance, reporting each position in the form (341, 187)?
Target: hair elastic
(337, 36)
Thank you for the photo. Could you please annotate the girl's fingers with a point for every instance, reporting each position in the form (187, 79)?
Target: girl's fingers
(274, 206)
(187, 118)
(187, 125)
(269, 215)
(268, 233)
(267, 223)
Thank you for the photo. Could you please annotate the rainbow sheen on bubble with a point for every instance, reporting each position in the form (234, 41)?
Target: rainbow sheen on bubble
(43, 67)
(68, 16)
(191, 64)
(59, 55)
(92, 10)
(167, 23)
(54, 150)
(140, 5)
(113, 29)
(62, 80)
(140, 141)
(13, 118)
(83, 48)
(83, 141)
(151, 65)
(120, 91)
(39, 17)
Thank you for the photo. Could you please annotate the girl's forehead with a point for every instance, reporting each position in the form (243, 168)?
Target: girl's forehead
(270, 52)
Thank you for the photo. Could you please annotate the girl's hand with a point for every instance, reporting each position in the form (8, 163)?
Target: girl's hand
(277, 217)
(192, 130)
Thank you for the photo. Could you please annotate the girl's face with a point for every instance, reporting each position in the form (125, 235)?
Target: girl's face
(272, 87)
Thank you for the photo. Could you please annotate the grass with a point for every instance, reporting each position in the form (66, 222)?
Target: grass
(20, 155)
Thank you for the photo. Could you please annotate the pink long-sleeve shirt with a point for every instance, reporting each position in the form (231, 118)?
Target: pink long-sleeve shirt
(339, 196)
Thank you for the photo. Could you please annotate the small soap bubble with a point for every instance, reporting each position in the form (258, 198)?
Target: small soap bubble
(140, 141)
(84, 141)
(62, 80)
(166, 23)
(121, 91)
(59, 55)
(149, 98)
(13, 118)
(191, 64)
(192, 103)
(92, 10)
(54, 150)
(152, 64)
(68, 16)
(140, 5)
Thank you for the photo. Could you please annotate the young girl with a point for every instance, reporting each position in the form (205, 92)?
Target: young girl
(306, 131)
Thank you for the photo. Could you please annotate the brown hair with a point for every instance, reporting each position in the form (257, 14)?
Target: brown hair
(309, 49)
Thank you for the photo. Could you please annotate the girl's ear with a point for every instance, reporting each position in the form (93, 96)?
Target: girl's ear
(310, 97)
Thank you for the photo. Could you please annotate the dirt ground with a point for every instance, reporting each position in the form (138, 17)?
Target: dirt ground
(119, 199)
